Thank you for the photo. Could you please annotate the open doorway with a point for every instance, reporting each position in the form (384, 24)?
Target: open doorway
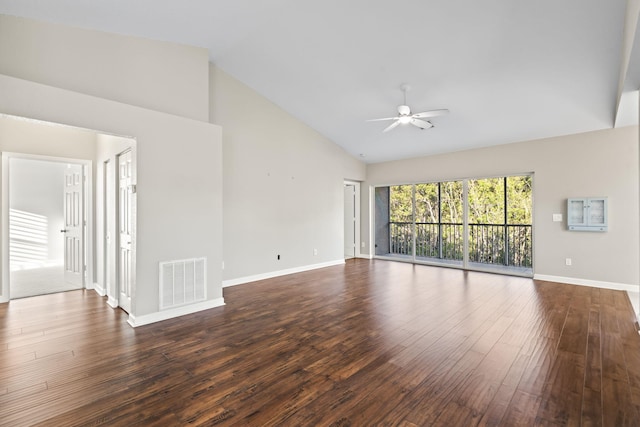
(351, 219)
(47, 225)
(53, 244)
(126, 190)
(482, 224)
(116, 220)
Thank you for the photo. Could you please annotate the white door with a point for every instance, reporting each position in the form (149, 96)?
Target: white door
(108, 221)
(349, 221)
(124, 230)
(73, 225)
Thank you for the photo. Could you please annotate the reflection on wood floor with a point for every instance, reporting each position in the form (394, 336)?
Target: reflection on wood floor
(368, 343)
(39, 281)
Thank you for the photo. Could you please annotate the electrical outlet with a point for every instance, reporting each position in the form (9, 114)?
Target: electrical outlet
(223, 265)
(362, 245)
(567, 261)
(315, 252)
(557, 217)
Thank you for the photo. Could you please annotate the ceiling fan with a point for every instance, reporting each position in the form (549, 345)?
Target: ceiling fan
(405, 117)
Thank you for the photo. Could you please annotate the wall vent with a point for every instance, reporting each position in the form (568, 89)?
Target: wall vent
(182, 282)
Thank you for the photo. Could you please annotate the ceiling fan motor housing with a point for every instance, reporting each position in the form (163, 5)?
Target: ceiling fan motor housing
(404, 110)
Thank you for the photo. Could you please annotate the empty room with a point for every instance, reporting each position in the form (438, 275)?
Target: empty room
(334, 213)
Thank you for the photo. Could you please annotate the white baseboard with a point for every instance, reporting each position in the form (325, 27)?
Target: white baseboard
(99, 289)
(159, 316)
(270, 275)
(113, 303)
(364, 256)
(634, 297)
(585, 282)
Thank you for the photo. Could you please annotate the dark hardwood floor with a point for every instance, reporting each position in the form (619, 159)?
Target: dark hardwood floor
(369, 343)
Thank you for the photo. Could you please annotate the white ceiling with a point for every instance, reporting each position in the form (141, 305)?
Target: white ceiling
(508, 70)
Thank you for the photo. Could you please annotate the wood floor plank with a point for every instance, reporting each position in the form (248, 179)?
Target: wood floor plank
(592, 396)
(562, 396)
(366, 343)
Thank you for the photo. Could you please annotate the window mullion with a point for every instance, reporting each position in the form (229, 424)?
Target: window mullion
(413, 216)
(506, 227)
(465, 223)
(440, 220)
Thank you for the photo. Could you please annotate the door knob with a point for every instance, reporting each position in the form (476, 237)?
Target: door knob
(63, 231)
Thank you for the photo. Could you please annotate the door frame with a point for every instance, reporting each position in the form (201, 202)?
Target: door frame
(109, 217)
(103, 288)
(87, 172)
(133, 225)
(71, 228)
(356, 184)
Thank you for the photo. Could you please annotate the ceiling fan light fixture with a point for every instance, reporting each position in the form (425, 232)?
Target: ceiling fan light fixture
(404, 110)
(405, 116)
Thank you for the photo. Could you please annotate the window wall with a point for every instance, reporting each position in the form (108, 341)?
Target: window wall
(482, 224)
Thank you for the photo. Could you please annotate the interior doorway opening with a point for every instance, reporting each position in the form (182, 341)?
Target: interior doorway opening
(351, 219)
(36, 235)
(126, 191)
(47, 225)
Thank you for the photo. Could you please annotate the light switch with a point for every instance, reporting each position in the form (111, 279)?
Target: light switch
(557, 217)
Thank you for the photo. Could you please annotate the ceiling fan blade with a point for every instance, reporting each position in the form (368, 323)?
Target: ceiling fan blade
(431, 113)
(421, 124)
(379, 120)
(391, 126)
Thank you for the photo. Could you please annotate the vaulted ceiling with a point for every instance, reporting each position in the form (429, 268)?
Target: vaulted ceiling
(508, 70)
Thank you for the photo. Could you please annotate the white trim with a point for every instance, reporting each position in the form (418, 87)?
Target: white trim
(133, 215)
(106, 246)
(356, 185)
(159, 316)
(365, 256)
(270, 275)
(112, 301)
(585, 282)
(99, 289)
(633, 298)
(4, 242)
(87, 170)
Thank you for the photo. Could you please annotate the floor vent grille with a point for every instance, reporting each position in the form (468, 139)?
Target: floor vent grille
(182, 282)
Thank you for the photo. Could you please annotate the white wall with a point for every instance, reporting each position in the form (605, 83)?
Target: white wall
(283, 184)
(40, 138)
(157, 75)
(179, 178)
(37, 187)
(146, 89)
(602, 163)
